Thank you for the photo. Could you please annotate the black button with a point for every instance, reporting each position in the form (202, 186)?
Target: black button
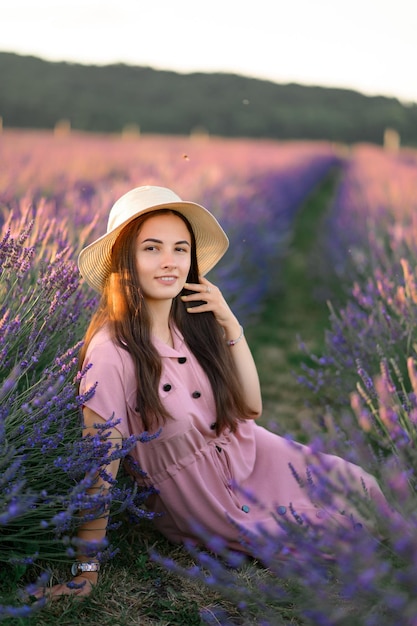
(182, 359)
(196, 394)
(167, 387)
(213, 426)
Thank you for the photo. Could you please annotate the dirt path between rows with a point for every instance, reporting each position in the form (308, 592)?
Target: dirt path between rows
(294, 313)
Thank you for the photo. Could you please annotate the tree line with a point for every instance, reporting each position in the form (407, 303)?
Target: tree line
(38, 94)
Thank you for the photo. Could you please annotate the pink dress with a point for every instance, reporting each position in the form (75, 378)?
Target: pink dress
(194, 470)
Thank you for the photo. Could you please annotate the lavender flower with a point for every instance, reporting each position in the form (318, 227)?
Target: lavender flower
(42, 316)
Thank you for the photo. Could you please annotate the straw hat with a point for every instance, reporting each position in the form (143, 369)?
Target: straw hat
(94, 261)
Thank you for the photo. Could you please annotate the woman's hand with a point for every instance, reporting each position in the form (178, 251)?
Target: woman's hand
(245, 366)
(80, 586)
(213, 301)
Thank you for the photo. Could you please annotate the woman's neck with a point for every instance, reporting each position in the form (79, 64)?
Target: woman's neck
(165, 336)
(160, 316)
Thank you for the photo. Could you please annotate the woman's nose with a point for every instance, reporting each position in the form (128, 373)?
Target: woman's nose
(168, 260)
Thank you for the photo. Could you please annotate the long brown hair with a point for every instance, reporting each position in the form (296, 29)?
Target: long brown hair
(123, 308)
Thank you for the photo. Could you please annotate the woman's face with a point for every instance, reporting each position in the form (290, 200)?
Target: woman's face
(163, 256)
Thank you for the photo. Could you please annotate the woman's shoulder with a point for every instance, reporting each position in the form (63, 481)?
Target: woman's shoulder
(102, 342)
(101, 336)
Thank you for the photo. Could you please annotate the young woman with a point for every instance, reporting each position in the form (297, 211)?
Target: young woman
(167, 352)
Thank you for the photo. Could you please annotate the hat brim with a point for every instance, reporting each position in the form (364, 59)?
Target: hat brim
(94, 261)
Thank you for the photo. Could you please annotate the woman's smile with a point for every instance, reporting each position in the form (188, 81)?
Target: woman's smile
(167, 280)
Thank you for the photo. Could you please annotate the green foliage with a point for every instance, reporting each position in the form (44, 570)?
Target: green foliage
(38, 94)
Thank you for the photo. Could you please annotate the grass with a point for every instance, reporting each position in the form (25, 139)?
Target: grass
(292, 315)
(136, 591)
(133, 589)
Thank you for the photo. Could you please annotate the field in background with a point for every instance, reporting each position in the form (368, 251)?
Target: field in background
(253, 187)
(321, 273)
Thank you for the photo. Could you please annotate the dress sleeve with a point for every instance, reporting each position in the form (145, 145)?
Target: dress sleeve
(107, 373)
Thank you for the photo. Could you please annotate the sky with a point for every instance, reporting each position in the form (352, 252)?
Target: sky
(366, 45)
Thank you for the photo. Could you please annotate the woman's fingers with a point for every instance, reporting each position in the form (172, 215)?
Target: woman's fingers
(210, 298)
(206, 293)
(205, 287)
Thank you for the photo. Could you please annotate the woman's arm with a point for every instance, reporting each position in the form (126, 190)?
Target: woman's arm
(93, 530)
(242, 356)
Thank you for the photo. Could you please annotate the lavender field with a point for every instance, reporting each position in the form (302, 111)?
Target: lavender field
(55, 193)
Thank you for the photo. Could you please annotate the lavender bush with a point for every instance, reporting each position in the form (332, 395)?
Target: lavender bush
(371, 245)
(372, 216)
(46, 467)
